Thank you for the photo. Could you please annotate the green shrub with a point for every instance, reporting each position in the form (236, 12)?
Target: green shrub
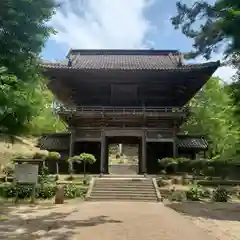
(46, 191)
(88, 158)
(53, 156)
(75, 158)
(162, 183)
(164, 162)
(209, 171)
(8, 170)
(207, 193)
(177, 196)
(170, 165)
(221, 195)
(22, 156)
(40, 155)
(7, 190)
(218, 182)
(71, 190)
(44, 175)
(194, 193)
(183, 164)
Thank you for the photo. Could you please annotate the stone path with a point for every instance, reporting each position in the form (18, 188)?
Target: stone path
(126, 221)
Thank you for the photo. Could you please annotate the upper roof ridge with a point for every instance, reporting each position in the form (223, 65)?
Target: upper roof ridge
(151, 52)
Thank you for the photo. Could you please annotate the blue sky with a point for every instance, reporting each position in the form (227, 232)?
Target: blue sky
(121, 24)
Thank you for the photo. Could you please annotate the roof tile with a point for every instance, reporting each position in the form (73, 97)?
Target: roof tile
(193, 143)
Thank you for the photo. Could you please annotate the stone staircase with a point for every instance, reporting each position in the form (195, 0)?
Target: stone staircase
(122, 189)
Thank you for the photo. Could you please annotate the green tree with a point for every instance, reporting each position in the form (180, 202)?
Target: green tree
(213, 115)
(23, 34)
(211, 26)
(46, 121)
(19, 101)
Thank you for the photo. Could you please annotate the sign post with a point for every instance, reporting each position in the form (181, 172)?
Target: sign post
(26, 174)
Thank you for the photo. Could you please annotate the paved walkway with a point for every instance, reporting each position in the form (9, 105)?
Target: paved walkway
(127, 221)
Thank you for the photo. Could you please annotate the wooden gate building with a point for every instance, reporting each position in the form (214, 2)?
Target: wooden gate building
(125, 96)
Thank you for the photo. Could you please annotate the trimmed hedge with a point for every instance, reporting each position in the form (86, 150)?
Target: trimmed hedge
(219, 182)
(204, 167)
(43, 191)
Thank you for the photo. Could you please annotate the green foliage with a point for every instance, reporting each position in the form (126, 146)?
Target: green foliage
(19, 102)
(72, 191)
(9, 190)
(194, 193)
(53, 156)
(75, 158)
(43, 191)
(210, 26)
(209, 171)
(207, 193)
(162, 183)
(169, 164)
(177, 196)
(87, 158)
(40, 155)
(44, 175)
(8, 170)
(22, 156)
(47, 121)
(46, 191)
(23, 34)
(221, 195)
(213, 116)
(23, 108)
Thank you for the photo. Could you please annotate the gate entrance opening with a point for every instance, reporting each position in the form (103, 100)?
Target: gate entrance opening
(126, 160)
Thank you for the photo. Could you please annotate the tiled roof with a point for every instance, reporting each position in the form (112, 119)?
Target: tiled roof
(124, 60)
(192, 143)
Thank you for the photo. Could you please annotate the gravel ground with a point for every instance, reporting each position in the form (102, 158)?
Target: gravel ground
(221, 220)
(119, 220)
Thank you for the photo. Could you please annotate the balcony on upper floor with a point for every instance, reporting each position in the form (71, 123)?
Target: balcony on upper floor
(108, 111)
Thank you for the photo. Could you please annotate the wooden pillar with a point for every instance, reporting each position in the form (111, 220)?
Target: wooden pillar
(144, 153)
(72, 141)
(175, 150)
(103, 153)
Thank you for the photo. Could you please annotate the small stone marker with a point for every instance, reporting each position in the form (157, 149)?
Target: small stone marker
(59, 197)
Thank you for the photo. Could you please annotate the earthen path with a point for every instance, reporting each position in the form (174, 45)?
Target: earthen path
(130, 221)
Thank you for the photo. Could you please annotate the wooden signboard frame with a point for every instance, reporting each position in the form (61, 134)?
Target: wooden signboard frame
(30, 172)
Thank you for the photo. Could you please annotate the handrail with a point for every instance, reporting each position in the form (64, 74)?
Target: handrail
(118, 109)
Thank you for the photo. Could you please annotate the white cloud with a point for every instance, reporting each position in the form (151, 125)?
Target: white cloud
(225, 72)
(102, 24)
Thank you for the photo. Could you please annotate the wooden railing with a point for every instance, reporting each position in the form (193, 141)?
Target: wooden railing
(110, 109)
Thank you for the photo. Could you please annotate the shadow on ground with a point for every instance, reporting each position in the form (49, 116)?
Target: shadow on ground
(25, 225)
(216, 211)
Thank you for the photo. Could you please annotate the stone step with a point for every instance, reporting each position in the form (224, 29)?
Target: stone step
(126, 194)
(121, 176)
(125, 182)
(123, 198)
(143, 190)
